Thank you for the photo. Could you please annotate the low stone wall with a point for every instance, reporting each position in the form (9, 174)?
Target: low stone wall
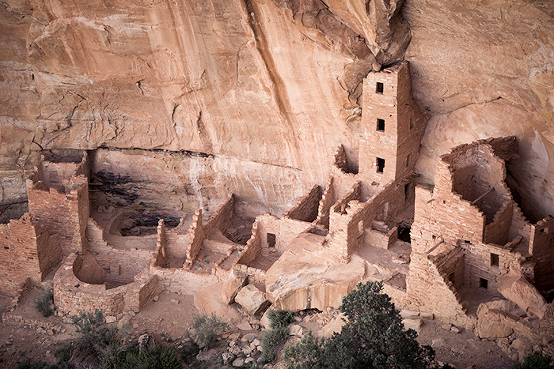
(253, 247)
(72, 296)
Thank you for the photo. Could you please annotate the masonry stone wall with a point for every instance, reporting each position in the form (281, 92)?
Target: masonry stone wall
(196, 237)
(159, 258)
(432, 290)
(327, 200)
(541, 247)
(64, 212)
(498, 230)
(72, 296)
(253, 247)
(306, 209)
(26, 251)
(284, 229)
(392, 125)
(481, 264)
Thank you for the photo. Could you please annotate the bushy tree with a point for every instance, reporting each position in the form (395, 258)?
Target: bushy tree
(372, 337)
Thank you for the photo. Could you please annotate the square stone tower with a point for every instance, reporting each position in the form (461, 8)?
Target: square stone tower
(392, 125)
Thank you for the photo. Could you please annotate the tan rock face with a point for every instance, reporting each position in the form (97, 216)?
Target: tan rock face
(232, 285)
(309, 276)
(270, 82)
(517, 289)
(490, 319)
(252, 299)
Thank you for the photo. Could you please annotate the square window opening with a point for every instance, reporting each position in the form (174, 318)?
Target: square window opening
(380, 165)
(379, 88)
(271, 239)
(483, 283)
(380, 125)
(495, 260)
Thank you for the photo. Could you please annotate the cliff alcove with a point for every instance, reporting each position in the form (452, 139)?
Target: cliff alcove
(291, 147)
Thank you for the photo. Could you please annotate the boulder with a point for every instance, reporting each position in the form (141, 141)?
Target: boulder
(252, 299)
(516, 288)
(232, 285)
(309, 276)
(491, 322)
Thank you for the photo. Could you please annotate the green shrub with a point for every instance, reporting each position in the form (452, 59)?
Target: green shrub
(279, 319)
(272, 342)
(45, 302)
(373, 336)
(536, 360)
(208, 328)
(97, 337)
(153, 356)
(189, 351)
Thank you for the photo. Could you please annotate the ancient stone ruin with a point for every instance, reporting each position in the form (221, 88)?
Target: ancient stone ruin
(462, 249)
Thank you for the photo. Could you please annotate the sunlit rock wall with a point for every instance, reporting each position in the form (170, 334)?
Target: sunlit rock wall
(269, 82)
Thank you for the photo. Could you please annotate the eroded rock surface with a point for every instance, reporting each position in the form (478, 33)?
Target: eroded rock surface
(271, 82)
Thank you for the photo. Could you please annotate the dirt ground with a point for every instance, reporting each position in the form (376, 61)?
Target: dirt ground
(171, 316)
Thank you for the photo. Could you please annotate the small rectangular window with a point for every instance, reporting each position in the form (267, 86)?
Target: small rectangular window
(495, 260)
(408, 160)
(380, 165)
(380, 125)
(406, 192)
(271, 240)
(379, 88)
(411, 123)
(483, 283)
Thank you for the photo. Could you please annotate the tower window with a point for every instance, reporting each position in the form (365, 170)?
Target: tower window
(495, 260)
(380, 165)
(406, 192)
(381, 125)
(408, 160)
(411, 123)
(483, 283)
(379, 88)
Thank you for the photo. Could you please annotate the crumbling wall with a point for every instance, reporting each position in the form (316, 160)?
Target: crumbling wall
(306, 209)
(72, 296)
(221, 218)
(541, 247)
(183, 280)
(159, 258)
(447, 216)
(327, 200)
(196, 237)
(487, 262)
(478, 175)
(253, 247)
(431, 290)
(64, 213)
(26, 251)
(284, 230)
(498, 230)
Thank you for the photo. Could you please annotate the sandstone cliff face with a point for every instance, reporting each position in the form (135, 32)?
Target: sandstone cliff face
(269, 82)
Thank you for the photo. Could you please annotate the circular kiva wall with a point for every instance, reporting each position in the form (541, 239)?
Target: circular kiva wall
(72, 295)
